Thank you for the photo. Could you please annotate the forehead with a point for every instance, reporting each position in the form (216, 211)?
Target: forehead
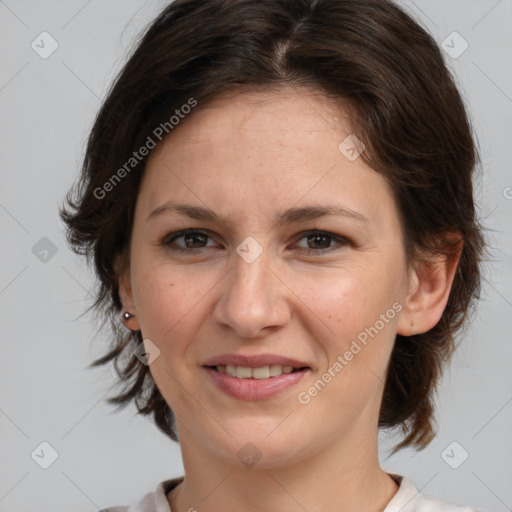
(254, 150)
(281, 114)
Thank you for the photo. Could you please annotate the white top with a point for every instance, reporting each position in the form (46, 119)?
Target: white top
(407, 499)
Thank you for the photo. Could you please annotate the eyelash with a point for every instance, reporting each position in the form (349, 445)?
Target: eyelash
(170, 239)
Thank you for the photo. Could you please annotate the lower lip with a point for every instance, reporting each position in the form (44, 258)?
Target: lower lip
(254, 389)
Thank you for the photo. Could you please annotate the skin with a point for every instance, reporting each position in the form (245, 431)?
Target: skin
(248, 156)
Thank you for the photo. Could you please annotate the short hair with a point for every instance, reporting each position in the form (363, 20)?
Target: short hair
(404, 105)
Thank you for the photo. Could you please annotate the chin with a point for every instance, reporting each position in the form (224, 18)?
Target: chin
(257, 450)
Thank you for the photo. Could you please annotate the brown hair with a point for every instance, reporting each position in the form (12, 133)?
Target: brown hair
(370, 55)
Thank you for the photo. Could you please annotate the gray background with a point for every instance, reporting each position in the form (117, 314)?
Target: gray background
(46, 393)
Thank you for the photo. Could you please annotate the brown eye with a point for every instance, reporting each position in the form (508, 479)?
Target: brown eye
(189, 241)
(194, 240)
(321, 242)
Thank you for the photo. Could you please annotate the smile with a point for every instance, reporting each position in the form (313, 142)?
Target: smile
(246, 383)
(262, 372)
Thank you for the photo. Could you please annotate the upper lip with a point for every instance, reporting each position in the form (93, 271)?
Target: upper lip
(254, 361)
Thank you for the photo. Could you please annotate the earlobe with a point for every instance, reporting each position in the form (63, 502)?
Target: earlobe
(430, 284)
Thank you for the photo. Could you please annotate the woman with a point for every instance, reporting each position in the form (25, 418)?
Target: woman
(277, 199)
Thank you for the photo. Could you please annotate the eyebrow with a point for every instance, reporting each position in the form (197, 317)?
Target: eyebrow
(290, 216)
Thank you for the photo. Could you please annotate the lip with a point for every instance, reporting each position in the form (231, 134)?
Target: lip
(254, 389)
(254, 361)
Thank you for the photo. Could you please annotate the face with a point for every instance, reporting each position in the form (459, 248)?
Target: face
(295, 258)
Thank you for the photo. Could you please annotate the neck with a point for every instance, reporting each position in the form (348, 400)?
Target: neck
(345, 477)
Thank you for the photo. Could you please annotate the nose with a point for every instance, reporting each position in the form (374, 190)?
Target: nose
(254, 299)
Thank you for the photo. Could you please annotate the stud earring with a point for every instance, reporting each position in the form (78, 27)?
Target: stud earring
(127, 316)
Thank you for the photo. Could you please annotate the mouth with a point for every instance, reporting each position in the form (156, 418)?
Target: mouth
(255, 376)
(259, 373)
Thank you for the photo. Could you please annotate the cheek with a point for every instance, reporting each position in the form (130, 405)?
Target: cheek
(361, 313)
(351, 301)
(166, 300)
(168, 305)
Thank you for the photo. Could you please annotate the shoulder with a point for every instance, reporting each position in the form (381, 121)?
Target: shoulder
(154, 501)
(409, 499)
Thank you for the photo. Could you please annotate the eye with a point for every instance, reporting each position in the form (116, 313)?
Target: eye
(318, 242)
(193, 240)
(321, 242)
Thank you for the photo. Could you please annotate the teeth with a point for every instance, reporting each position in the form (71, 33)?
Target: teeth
(243, 372)
(230, 370)
(263, 372)
(275, 370)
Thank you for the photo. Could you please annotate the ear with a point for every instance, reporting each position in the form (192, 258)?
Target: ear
(429, 285)
(122, 266)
